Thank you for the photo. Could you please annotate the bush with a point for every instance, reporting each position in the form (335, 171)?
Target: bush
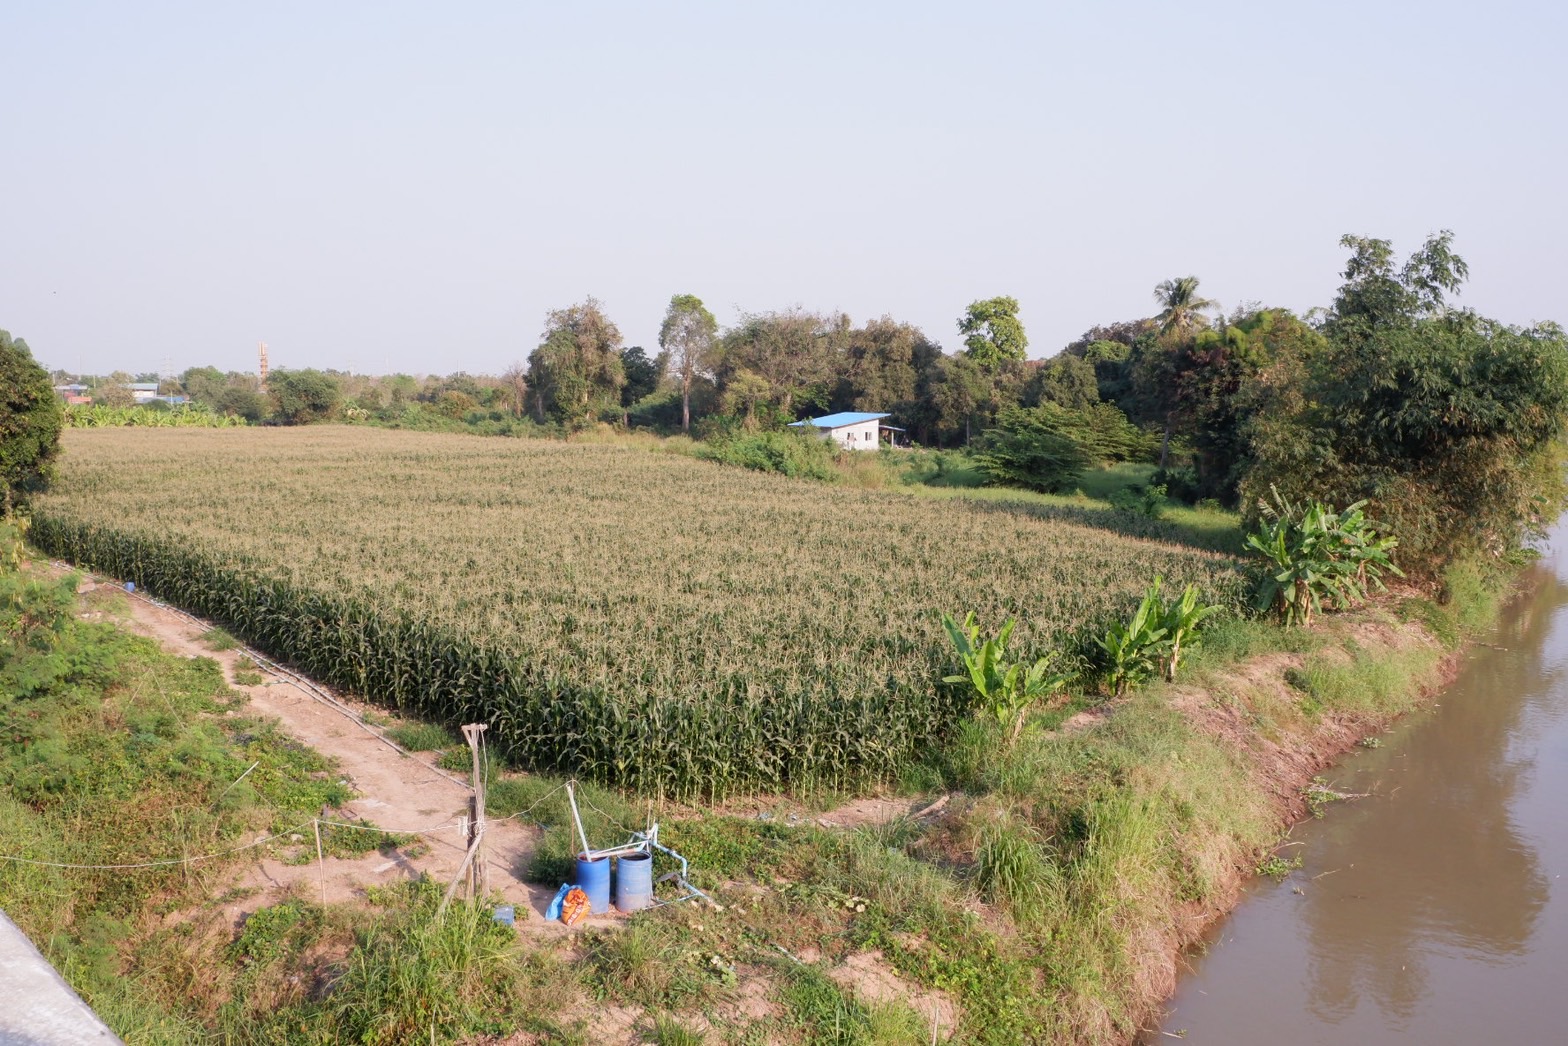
(790, 453)
(1029, 448)
(300, 397)
(1315, 554)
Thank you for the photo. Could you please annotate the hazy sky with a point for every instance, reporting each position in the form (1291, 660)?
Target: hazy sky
(412, 186)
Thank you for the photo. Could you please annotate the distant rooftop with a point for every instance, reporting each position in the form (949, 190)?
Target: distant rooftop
(839, 420)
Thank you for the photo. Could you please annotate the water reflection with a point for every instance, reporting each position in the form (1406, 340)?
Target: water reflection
(1424, 913)
(1443, 867)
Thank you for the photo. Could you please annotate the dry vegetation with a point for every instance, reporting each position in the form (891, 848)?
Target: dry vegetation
(648, 619)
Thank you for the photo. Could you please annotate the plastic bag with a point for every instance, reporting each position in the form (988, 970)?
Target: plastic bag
(553, 912)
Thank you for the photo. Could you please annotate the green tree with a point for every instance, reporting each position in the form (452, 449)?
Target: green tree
(883, 364)
(1375, 295)
(960, 391)
(300, 397)
(1450, 425)
(1065, 380)
(687, 336)
(1181, 309)
(31, 416)
(576, 371)
(795, 354)
(1032, 448)
(203, 384)
(1228, 376)
(643, 374)
(241, 402)
(992, 331)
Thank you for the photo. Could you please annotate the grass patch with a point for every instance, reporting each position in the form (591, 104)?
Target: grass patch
(218, 639)
(1379, 682)
(427, 737)
(1104, 483)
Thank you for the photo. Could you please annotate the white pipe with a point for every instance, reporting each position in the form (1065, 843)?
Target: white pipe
(571, 797)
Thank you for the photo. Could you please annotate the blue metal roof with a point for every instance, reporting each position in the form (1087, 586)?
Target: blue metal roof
(839, 420)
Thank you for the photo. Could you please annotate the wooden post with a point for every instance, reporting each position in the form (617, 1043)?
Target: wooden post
(479, 872)
(321, 865)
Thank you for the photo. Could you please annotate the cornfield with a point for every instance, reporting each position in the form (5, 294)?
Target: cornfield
(644, 619)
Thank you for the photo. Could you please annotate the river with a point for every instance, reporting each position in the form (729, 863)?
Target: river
(1435, 910)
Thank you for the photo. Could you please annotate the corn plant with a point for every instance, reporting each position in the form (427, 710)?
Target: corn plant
(1004, 689)
(649, 620)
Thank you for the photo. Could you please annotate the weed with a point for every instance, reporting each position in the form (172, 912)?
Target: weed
(428, 737)
(1276, 867)
(218, 639)
(1015, 868)
(669, 1032)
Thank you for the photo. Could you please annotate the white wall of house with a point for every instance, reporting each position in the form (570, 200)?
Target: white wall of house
(860, 436)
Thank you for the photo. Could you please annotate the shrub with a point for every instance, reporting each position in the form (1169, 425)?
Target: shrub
(1315, 554)
(1029, 448)
(1004, 689)
(789, 453)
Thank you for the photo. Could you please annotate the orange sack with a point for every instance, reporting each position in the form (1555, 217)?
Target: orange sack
(574, 907)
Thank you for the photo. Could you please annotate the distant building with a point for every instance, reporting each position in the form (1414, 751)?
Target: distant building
(852, 430)
(65, 392)
(143, 391)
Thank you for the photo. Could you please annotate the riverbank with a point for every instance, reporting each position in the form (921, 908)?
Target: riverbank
(1427, 910)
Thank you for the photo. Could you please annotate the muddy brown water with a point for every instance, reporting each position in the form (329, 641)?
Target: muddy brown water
(1436, 909)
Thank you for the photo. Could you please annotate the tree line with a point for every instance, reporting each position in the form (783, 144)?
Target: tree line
(1449, 422)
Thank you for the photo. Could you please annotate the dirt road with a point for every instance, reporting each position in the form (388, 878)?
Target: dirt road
(404, 793)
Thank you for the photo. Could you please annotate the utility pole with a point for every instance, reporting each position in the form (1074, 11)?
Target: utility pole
(261, 351)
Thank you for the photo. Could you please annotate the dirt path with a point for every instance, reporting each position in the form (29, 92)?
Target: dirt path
(399, 792)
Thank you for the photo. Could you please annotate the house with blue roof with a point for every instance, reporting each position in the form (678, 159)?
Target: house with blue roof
(850, 429)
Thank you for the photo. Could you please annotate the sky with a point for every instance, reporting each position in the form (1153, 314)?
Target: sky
(411, 187)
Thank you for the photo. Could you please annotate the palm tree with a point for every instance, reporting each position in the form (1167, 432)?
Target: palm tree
(1180, 307)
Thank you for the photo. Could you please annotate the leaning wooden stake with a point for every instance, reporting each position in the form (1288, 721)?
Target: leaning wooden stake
(321, 865)
(473, 869)
(474, 733)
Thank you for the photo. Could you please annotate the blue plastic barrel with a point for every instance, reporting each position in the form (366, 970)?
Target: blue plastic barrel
(633, 882)
(593, 877)
(130, 586)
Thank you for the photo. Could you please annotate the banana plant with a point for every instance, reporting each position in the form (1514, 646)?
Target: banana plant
(1316, 554)
(1133, 650)
(1004, 689)
(1181, 619)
